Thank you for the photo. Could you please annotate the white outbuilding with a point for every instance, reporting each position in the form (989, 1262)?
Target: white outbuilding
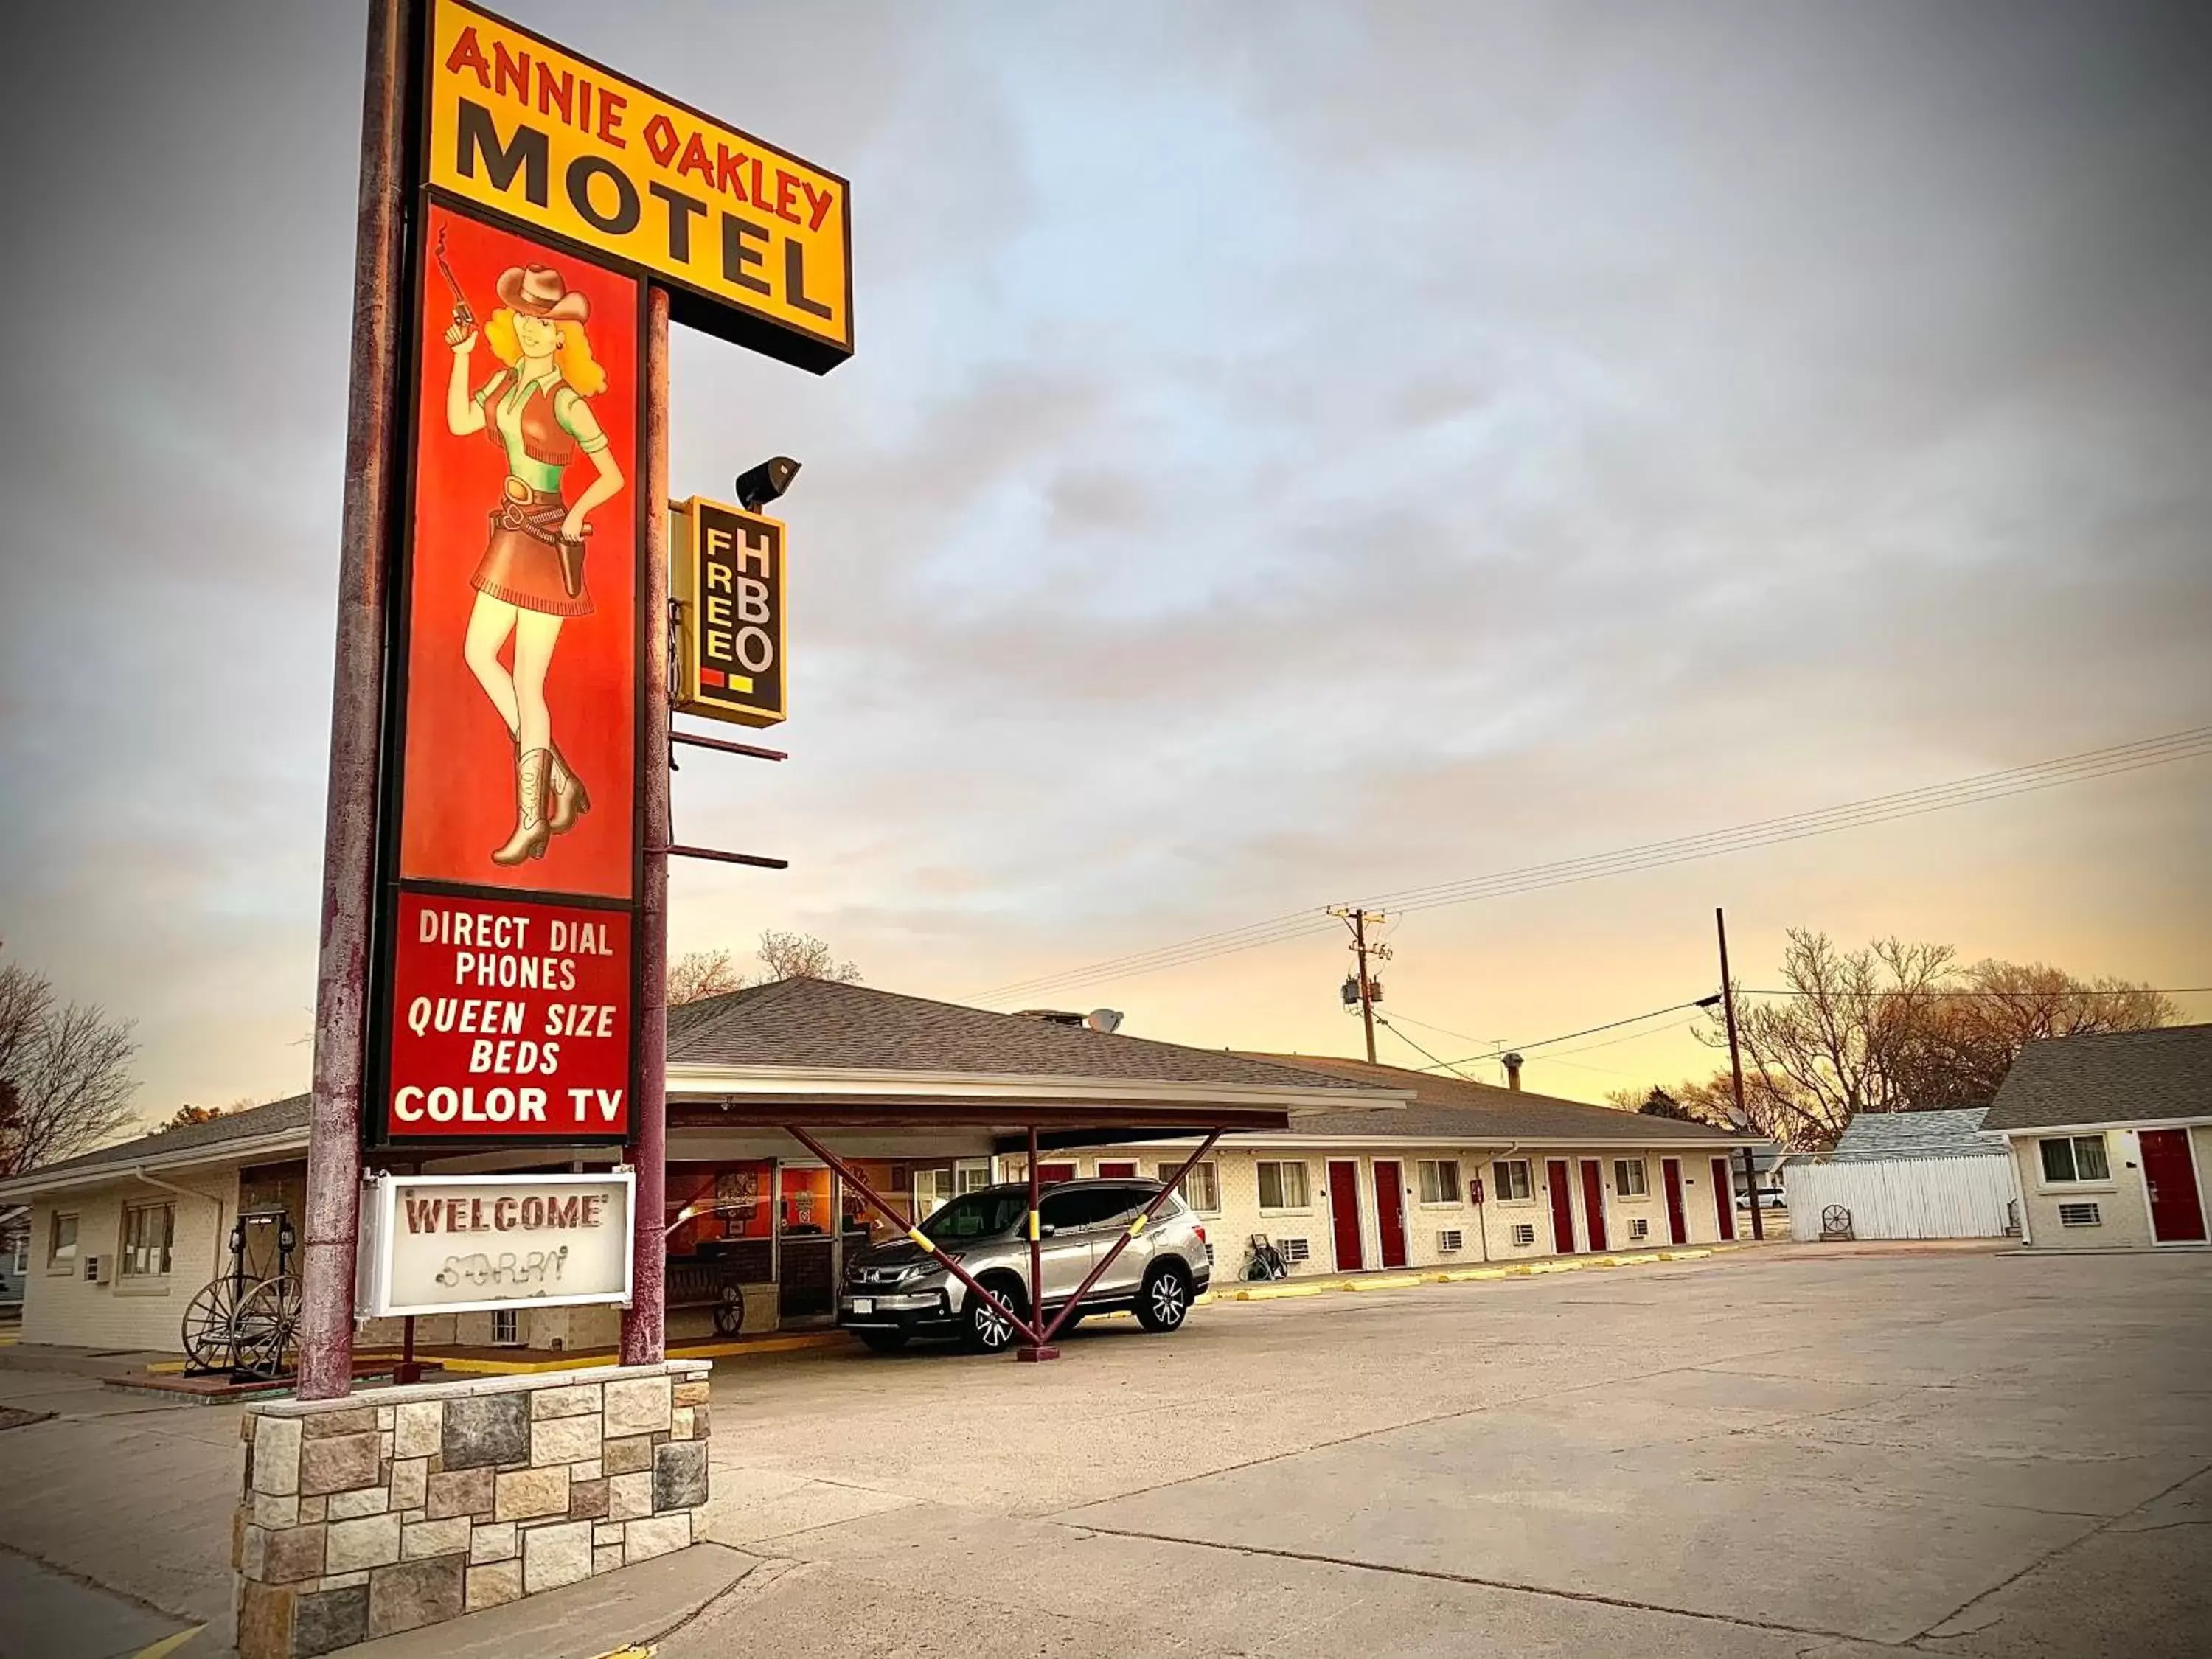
(1906, 1175)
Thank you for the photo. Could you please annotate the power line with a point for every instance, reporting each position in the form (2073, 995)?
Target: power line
(2083, 767)
(2070, 991)
(1444, 1065)
(1590, 1031)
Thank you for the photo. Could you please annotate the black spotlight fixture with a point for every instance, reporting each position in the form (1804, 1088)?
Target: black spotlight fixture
(759, 485)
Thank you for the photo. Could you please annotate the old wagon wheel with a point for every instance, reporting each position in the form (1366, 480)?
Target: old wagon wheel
(211, 1326)
(730, 1310)
(1835, 1222)
(268, 1323)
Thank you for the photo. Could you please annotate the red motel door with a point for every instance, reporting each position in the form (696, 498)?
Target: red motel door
(1390, 1212)
(1115, 1171)
(1594, 1203)
(1724, 1198)
(2176, 1210)
(1563, 1206)
(1344, 1215)
(1678, 1224)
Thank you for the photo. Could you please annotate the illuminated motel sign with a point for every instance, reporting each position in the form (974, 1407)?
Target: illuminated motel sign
(729, 589)
(554, 196)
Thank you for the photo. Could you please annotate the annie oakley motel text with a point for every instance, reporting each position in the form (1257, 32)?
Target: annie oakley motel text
(513, 1016)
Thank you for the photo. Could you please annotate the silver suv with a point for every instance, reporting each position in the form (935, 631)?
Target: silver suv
(896, 1290)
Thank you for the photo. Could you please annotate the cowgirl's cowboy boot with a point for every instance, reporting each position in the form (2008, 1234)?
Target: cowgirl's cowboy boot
(531, 830)
(570, 798)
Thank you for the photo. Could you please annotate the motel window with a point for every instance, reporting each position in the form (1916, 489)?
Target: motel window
(1509, 1177)
(2076, 1158)
(148, 1230)
(933, 1191)
(1439, 1180)
(1282, 1187)
(1628, 1177)
(1200, 1189)
(61, 1241)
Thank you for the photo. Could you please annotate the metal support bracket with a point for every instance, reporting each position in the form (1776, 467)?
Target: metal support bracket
(868, 1194)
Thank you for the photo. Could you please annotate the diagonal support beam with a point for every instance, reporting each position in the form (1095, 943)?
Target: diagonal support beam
(852, 1178)
(1144, 1216)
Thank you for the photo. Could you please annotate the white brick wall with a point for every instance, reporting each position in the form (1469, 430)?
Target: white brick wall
(1489, 1225)
(2122, 1208)
(62, 1307)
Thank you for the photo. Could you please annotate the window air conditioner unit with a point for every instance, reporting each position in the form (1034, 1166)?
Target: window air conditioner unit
(1524, 1235)
(1294, 1249)
(1639, 1227)
(1450, 1243)
(2080, 1215)
(96, 1270)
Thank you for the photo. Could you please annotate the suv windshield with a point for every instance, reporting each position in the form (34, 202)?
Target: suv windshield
(978, 1215)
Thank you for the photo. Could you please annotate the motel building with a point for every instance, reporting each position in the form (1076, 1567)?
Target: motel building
(1344, 1167)
(2111, 1136)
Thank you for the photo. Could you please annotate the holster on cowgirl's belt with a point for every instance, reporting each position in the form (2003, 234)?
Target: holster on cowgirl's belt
(540, 515)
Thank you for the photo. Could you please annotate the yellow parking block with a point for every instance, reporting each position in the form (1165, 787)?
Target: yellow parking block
(1282, 1288)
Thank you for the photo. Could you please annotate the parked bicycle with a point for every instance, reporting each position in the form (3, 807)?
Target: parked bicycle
(1265, 1262)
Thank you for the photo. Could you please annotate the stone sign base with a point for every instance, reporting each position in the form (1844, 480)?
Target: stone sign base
(383, 1511)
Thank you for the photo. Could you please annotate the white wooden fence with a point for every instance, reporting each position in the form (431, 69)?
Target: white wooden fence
(1906, 1197)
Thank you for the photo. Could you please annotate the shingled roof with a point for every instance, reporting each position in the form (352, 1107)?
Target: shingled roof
(2118, 1077)
(1453, 1107)
(284, 1117)
(1950, 1134)
(813, 1024)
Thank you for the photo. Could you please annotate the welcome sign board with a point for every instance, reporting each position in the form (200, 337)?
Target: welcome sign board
(434, 1244)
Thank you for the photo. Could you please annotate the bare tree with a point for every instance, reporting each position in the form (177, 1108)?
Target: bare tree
(1894, 1027)
(699, 975)
(1843, 1040)
(1975, 1033)
(65, 1081)
(802, 955)
(1684, 1105)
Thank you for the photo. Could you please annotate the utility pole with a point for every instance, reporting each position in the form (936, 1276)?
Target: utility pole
(1358, 920)
(1735, 1074)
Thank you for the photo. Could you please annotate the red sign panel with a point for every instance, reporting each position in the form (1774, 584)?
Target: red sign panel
(522, 578)
(509, 1018)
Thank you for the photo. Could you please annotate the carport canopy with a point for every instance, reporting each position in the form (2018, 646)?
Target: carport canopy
(852, 1072)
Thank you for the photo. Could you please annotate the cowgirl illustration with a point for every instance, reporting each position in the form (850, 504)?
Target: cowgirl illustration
(531, 579)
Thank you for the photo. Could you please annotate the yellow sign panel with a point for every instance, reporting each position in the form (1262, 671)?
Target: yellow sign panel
(729, 591)
(753, 243)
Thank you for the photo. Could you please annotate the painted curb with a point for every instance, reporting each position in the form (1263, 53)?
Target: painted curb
(1282, 1290)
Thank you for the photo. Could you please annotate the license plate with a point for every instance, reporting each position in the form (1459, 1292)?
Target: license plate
(864, 1305)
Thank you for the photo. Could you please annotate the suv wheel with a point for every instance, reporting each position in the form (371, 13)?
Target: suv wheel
(984, 1328)
(1165, 1297)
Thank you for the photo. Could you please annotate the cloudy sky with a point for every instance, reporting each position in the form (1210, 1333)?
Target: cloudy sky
(1294, 453)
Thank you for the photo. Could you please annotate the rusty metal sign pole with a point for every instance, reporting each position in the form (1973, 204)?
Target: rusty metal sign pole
(373, 463)
(645, 1321)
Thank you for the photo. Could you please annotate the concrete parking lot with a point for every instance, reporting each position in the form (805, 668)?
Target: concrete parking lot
(1772, 1453)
